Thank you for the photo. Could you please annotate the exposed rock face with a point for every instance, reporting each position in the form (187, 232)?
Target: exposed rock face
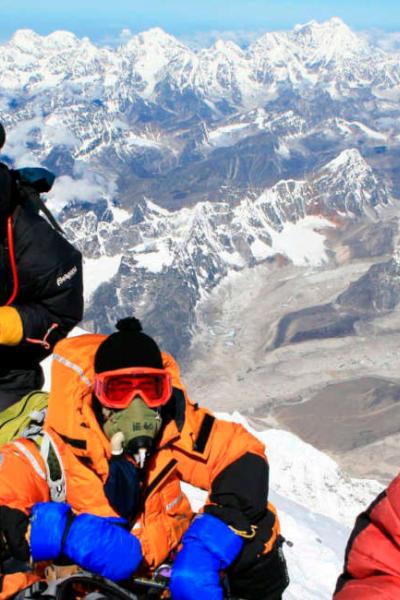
(376, 293)
(326, 421)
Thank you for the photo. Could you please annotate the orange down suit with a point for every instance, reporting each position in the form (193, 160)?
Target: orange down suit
(195, 448)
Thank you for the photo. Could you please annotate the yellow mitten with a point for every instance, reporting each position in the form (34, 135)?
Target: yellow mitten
(11, 328)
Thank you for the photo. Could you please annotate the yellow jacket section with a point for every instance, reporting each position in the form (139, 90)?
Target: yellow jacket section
(11, 328)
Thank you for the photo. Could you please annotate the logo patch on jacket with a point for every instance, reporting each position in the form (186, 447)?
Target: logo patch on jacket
(67, 276)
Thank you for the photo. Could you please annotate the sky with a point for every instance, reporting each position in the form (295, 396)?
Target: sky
(103, 20)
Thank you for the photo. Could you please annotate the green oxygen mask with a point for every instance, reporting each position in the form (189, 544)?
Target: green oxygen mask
(133, 429)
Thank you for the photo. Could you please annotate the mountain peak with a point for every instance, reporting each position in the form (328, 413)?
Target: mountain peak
(227, 47)
(348, 158)
(328, 40)
(335, 23)
(28, 40)
(25, 39)
(61, 39)
(155, 37)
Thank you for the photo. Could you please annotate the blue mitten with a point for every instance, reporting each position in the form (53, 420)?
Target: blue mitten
(100, 545)
(209, 546)
(48, 523)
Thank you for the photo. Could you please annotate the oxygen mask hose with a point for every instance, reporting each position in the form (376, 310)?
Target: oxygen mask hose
(140, 448)
(140, 457)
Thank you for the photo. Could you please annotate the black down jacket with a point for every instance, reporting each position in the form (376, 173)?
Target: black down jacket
(50, 293)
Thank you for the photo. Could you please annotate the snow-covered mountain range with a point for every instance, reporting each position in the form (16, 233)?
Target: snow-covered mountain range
(327, 55)
(155, 118)
(158, 258)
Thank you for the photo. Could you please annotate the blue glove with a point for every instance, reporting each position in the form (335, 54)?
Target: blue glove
(48, 523)
(209, 546)
(100, 545)
(103, 547)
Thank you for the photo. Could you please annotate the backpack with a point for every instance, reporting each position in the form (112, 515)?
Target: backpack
(24, 190)
(25, 419)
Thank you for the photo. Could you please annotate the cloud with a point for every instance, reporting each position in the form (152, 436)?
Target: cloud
(59, 134)
(88, 186)
(205, 39)
(385, 40)
(66, 189)
(35, 133)
(18, 140)
(113, 40)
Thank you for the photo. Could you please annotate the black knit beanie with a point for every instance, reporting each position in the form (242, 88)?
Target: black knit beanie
(128, 347)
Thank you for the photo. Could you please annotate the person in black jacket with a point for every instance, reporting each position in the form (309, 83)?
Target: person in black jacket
(41, 291)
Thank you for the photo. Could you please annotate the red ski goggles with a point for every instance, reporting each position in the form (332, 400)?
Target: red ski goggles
(117, 389)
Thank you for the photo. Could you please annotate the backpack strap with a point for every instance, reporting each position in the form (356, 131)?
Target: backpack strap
(30, 195)
(28, 454)
(54, 468)
(45, 210)
(55, 474)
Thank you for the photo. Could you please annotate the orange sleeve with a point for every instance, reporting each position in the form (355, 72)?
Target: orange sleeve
(16, 582)
(227, 442)
(22, 483)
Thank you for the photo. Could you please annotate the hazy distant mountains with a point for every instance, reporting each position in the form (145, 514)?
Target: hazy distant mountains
(155, 118)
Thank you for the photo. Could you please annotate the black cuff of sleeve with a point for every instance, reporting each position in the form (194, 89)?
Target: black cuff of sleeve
(231, 516)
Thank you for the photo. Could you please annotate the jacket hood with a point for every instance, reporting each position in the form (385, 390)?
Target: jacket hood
(70, 412)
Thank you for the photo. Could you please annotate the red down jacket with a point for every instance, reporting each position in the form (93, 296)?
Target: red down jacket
(372, 560)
